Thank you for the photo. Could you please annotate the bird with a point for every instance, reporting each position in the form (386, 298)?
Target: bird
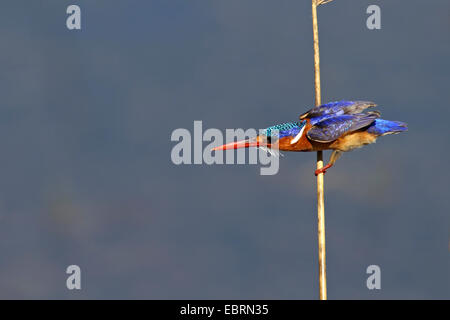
(340, 126)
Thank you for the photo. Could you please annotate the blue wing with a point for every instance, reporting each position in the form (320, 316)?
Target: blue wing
(332, 128)
(334, 109)
(382, 127)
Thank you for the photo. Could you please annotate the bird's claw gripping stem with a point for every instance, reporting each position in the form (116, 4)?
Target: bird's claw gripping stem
(323, 170)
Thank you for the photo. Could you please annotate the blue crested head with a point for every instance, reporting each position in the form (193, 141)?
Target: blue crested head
(284, 129)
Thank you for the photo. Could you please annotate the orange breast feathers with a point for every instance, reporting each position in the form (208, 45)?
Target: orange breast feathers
(303, 143)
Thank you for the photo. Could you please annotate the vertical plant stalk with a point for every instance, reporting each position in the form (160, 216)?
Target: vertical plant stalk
(320, 192)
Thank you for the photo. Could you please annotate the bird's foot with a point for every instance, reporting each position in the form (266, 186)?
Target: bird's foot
(323, 170)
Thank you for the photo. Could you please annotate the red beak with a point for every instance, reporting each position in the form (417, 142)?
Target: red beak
(254, 142)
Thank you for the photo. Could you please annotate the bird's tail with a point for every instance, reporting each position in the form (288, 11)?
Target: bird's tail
(382, 127)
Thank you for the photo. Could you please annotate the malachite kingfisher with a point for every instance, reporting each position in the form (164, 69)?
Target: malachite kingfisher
(340, 126)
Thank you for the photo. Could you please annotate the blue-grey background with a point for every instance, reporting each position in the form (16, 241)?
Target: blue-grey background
(86, 174)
